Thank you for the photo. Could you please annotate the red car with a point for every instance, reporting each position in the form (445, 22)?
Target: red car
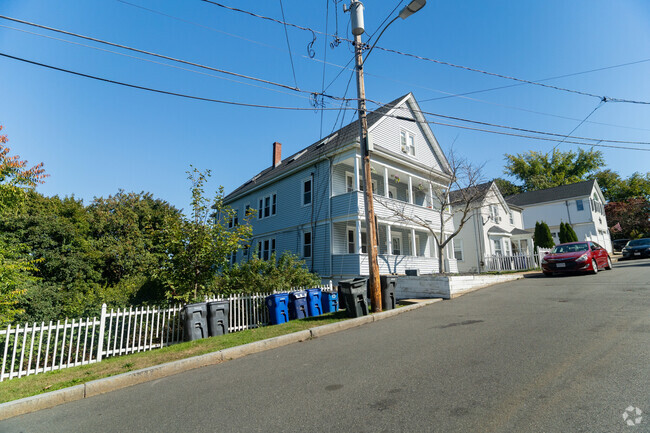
(576, 257)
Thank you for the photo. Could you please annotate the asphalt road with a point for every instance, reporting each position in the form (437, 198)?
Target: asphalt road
(563, 354)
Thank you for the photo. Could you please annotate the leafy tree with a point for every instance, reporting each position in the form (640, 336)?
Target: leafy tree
(542, 237)
(506, 187)
(630, 217)
(537, 170)
(257, 275)
(617, 189)
(200, 246)
(15, 262)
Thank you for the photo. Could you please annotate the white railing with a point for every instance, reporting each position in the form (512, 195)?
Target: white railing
(515, 262)
(38, 348)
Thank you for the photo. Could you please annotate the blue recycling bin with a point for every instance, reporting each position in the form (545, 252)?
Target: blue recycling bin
(298, 305)
(278, 305)
(329, 302)
(314, 305)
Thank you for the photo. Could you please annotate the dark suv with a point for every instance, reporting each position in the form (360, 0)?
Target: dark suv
(618, 244)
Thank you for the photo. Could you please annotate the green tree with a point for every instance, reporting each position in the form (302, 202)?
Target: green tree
(629, 218)
(563, 235)
(542, 237)
(257, 275)
(506, 187)
(572, 236)
(16, 265)
(538, 170)
(616, 188)
(199, 247)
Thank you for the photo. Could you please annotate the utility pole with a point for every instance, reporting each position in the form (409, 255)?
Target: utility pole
(356, 10)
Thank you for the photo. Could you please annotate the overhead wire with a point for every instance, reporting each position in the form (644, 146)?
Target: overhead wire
(286, 34)
(169, 65)
(600, 104)
(441, 62)
(165, 92)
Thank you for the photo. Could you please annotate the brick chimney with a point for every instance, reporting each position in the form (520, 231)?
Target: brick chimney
(277, 154)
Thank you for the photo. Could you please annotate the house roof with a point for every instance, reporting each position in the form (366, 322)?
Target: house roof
(517, 231)
(563, 192)
(481, 191)
(496, 230)
(344, 136)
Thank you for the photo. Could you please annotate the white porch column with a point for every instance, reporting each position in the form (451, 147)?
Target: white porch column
(385, 181)
(356, 173)
(410, 196)
(430, 195)
(389, 240)
(358, 236)
(414, 251)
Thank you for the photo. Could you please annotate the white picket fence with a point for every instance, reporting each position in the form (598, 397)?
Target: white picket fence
(515, 262)
(37, 348)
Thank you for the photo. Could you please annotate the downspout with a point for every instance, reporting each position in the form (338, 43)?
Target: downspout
(480, 241)
(329, 212)
(566, 202)
(311, 219)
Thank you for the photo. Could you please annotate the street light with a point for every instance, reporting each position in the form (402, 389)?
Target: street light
(356, 11)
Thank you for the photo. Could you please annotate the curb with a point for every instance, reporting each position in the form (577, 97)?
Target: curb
(124, 380)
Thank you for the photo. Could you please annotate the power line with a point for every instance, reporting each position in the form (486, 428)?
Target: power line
(441, 62)
(532, 131)
(544, 79)
(164, 92)
(168, 65)
(600, 104)
(286, 34)
(160, 56)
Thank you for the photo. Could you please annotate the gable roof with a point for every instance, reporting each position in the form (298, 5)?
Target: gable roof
(481, 191)
(337, 140)
(562, 192)
(344, 136)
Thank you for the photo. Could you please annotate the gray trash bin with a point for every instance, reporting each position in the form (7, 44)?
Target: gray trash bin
(218, 313)
(195, 321)
(354, 292)
(388, 283)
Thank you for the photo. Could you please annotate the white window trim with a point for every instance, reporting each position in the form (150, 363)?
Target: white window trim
(262, 203)
(406, 147)
(311, 191)
(349, 175)
(353, 243)
(397, 235)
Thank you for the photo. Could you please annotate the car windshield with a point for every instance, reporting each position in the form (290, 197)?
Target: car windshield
(639, 242)
(570, 248)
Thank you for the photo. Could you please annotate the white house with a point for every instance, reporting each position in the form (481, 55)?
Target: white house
(311, 203)
(581, 204)
(493, 238)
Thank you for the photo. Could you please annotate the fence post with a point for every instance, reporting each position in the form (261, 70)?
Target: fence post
(102, 326)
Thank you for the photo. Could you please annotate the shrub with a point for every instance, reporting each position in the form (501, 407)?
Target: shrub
(543, 237)
(257, 275)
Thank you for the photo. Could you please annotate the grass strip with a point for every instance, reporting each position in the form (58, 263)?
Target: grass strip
(51, 381)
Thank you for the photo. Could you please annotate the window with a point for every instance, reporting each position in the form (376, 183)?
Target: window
(306, 192)
(233, 257)
(306, 244)
(374, 185)
(268, 206)
(512, 219)
(458, 249)
(351, 243)
(497, 247)
(349, 182)
(265, 248)
(247, 210)
(397, 243)
(364, 243)
(407, 142)
(580, 205)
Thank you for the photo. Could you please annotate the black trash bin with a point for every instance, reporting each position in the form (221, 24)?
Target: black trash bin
(388, 283)
(195, 321)
(354, 293)
(218, 313)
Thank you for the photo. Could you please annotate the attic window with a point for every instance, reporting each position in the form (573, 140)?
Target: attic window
(407, 142)
(298, 155)
(328, 139)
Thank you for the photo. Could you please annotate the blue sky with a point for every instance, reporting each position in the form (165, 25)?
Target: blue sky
(96, 138)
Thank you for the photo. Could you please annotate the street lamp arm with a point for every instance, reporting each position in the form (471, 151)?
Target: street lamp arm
(375, 43)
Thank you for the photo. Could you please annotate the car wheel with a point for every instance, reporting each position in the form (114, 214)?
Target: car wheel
(609, 264)
(594, 265)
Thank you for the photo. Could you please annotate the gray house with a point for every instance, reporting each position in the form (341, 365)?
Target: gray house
(311, 203)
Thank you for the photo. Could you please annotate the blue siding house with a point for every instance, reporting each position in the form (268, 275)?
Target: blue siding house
(311, 203)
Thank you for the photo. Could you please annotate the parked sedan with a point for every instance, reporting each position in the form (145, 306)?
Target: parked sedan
(637, 249)
(576, 257)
